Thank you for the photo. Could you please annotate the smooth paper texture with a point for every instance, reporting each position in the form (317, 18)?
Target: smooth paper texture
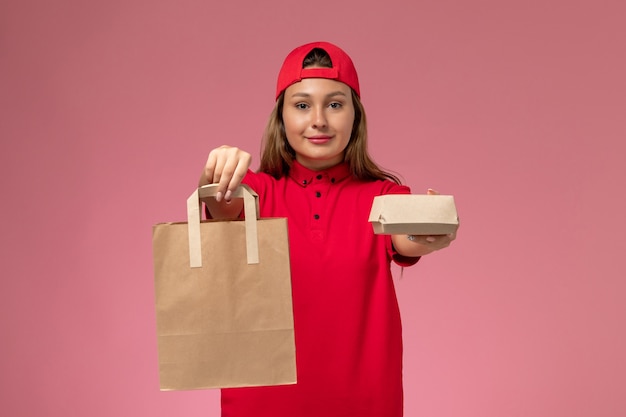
(414, 214)
(251, 210)
(228, 323)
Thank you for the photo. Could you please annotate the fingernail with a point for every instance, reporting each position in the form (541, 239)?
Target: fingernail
(218, 196)
(228, 195)
(430, 239)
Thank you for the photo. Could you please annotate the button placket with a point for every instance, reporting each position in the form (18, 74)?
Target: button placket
(319, 201)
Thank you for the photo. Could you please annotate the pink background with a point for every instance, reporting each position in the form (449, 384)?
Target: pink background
(109, 109)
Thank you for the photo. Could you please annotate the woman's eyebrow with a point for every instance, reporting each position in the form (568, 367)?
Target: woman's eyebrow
(336, 93)
(333, 94)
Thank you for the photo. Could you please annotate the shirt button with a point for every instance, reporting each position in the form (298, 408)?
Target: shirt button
(319, 177)
(316, 216)
(318, 194)
(304, 182)
(332, 180)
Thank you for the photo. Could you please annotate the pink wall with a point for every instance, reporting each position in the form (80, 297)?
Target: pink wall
(109, 108)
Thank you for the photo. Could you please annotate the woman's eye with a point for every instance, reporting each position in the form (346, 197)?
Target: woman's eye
(335, 105)
(301, 106)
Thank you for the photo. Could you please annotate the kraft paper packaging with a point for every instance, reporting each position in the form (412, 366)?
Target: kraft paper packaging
(223, 300)
(414, 214)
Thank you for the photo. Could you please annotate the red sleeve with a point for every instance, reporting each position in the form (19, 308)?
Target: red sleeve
(400, 259)
(391, 251)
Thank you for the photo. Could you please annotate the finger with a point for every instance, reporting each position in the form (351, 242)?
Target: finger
(220, 178)
(237, 170)
(424, 239)
(432, 192)
(209, 168)
(237, 176)
(214, 169)
(434, 242)
(225, 177)
(230, 173)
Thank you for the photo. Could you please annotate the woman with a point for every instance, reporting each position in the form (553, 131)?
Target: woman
(315, 170)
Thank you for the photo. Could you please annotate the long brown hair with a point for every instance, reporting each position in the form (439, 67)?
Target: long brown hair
(277, 156)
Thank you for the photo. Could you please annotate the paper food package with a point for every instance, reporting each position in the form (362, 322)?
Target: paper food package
(414, 214)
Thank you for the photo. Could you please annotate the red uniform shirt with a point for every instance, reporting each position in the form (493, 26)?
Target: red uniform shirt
(347, 322)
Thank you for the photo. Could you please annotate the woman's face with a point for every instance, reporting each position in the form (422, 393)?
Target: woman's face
(318, 115)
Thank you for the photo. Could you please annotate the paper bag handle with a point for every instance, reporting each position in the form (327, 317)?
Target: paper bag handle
(251, 212)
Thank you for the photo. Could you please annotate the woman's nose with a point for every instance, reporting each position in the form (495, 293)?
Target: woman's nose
(319, 118)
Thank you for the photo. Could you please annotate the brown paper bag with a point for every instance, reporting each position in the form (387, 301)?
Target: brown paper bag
(223, 300)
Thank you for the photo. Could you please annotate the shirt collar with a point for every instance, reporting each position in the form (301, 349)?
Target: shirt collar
(305, 176)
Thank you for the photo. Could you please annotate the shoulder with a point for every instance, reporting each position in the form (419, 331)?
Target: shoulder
(381, 187)
(260, 181)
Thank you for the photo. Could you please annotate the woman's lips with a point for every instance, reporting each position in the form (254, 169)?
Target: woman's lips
(318, 140)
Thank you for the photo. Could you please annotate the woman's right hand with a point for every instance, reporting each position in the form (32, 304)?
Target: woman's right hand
(225, 166)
